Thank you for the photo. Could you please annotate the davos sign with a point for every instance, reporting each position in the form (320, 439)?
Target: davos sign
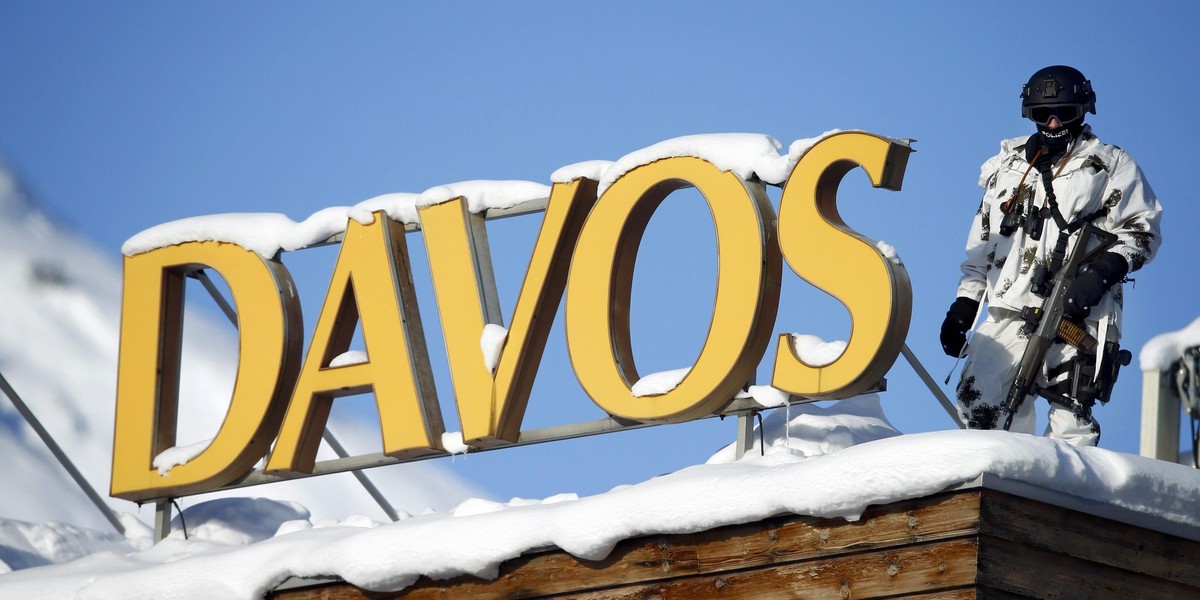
(585, 249)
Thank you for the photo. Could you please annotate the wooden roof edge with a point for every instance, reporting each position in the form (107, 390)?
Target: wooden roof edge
(1096, 508)
(986, 481)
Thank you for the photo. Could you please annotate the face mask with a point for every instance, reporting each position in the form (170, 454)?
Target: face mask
(1059, 138)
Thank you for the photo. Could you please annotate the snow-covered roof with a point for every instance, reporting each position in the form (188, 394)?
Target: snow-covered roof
(821, 461)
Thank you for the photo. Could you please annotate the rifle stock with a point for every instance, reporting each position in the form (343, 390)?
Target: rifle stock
(1045, 323)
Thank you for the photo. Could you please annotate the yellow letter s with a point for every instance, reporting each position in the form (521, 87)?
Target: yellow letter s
(830, 255)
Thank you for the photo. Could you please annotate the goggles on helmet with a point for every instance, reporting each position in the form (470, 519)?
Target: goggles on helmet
(1066, 113)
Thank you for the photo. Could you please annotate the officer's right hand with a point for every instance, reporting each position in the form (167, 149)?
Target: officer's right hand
(958, 320)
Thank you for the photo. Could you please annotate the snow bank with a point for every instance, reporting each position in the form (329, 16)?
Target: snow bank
(1164, 349)
(815, 351)
(264, 233)
(591, 169)
(485, 194)
(398, 207)
(178, 455)
(747, 155)
(24, 545)
(814, 430)
(811, 349)
(656, 384)
(491, 343)
(269, 233)
(822, 461)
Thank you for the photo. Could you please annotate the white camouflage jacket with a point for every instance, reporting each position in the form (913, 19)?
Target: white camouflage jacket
(1096, 175)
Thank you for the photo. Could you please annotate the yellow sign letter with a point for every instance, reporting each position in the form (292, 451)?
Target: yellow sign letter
(827, 253)
(371, 282)
(491, 407)
(599, 290)
(148, 375)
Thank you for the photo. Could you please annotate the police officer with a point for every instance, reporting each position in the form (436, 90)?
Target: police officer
(1014, 232)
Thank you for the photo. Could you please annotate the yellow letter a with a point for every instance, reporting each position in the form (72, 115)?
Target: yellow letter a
(371, 282)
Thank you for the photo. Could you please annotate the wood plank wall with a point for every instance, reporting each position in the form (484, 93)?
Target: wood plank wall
(976, 543)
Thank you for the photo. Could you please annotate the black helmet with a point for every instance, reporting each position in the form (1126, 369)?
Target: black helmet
(1060, 91)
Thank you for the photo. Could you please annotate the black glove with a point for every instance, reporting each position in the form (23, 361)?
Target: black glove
(958, 320)
(1091, 283)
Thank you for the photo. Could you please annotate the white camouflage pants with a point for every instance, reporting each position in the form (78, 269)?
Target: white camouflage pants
(994, 355)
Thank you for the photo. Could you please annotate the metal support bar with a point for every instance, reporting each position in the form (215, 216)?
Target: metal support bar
(328, 436)
(1160, 417)
(217, 296)
(745, 434)
(553, 433)
(932, 385)
(61, 456)
(362, 478)
(162, 519)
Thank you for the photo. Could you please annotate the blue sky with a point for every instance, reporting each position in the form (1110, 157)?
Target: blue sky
(123, 116)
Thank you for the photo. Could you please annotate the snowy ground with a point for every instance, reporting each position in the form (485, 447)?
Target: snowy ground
(832, 461)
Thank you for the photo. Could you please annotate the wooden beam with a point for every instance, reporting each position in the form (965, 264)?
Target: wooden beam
(1089, 538)
(789, 539)
(971, 543)
(1036, 573)
(886, 573)
(730, 551)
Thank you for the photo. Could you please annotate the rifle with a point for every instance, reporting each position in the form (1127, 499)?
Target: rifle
(1045, 323)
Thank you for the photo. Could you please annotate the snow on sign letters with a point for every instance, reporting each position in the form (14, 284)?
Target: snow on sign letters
(591, 230)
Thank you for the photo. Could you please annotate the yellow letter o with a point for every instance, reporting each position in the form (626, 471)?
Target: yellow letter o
(601, 279)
